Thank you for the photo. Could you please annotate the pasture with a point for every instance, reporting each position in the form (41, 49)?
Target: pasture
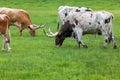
(37, 58)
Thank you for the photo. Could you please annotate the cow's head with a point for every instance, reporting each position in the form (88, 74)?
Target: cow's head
(32, 28)
(65, 31)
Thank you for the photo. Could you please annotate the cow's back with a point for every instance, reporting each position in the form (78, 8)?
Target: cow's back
(87, 21)
(81, 18)
(15, 15)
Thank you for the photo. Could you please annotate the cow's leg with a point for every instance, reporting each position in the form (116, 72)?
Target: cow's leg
(3, 45)
(79, 38)
(106, 38)
(73, 35)
(19, 26)
(6, 40)
(95, 35)
(113, 42)
(9, 48)
(105, 43)
(20, 30)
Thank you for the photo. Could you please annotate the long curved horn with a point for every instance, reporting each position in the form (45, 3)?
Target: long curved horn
(51, 32)
(50, 35)
(34, 27)
(41, 26)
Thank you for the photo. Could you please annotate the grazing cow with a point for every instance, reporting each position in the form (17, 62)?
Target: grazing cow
(86, 23)
(4, 31)
(21, 19)
(64, 11)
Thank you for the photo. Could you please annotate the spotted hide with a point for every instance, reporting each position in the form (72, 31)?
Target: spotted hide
(64, 11)
(87, 23)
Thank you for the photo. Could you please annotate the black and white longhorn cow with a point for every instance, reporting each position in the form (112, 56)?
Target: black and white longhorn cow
(86, 23)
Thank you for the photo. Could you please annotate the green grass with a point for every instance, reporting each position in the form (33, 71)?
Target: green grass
(37, 58)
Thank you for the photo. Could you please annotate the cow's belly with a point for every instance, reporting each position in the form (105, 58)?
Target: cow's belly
(90, 31)
(93, 29)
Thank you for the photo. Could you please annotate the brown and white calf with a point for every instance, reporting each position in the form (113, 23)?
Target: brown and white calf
(86, 23)
(21, 19)
(4, 31)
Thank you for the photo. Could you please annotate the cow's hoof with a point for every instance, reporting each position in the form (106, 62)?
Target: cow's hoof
(3, 50)
(104, 47)
(115, 47)
(85, 46)
(57, 46)
(9, 50)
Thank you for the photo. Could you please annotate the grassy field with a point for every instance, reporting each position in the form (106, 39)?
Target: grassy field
(37, 58)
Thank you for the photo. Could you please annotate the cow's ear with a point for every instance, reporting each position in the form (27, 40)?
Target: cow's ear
(29, 27)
